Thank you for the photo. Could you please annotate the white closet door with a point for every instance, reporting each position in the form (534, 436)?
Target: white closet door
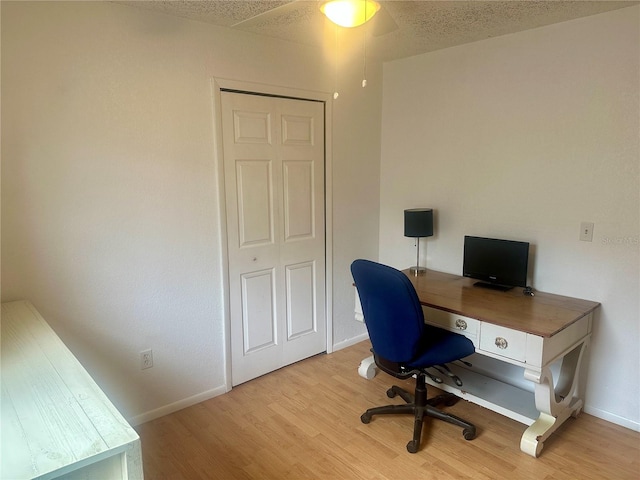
(274, 181)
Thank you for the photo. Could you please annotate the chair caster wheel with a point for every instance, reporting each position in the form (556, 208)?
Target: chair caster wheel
(412, 446)
(451, 401)
(391, 393)
(469, 433)
(365, 417)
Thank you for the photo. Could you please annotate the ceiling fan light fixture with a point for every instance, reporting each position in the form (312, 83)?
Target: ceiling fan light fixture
(350, 13)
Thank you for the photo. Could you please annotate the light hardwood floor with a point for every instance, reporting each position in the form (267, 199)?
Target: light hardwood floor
(303, 422)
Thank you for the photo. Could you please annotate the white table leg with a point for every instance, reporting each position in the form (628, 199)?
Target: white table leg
(555, 404)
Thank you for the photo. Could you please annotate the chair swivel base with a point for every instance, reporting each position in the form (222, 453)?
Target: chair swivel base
(420, 407)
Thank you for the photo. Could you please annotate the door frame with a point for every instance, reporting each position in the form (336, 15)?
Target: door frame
(218, 85)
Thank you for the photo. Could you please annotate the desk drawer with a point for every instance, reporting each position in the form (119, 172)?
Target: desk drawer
(503, 341)
(450, 321)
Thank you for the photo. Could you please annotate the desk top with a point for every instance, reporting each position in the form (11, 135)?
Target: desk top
(544, 314)
(54, 417)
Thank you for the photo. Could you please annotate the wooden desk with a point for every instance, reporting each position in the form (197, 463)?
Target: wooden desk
(541, 335)
(56, 422)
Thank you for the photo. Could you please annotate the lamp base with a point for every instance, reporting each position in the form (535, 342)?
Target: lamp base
(416, 271)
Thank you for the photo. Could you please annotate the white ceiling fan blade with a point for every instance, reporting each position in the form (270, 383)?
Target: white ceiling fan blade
(382, 23)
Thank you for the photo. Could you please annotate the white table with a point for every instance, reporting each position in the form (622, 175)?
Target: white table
(55, 420)
(541, 337)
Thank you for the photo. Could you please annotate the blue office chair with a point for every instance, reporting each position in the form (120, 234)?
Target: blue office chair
(403, 345)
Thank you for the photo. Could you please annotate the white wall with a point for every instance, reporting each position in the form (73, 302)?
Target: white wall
(110, 213)
(523, 137)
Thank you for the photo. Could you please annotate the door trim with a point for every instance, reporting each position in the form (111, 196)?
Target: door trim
(218, 85)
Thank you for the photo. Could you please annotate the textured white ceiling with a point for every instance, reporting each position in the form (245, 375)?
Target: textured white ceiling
(400, 29)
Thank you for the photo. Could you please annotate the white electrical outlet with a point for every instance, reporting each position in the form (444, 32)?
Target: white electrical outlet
(586, 231)
(146, 359)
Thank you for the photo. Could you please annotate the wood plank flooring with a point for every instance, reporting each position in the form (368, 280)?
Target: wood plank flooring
(303, 422)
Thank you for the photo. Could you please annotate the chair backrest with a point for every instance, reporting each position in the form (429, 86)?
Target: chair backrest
(392, 312)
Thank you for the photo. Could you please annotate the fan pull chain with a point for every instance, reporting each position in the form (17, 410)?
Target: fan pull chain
(335, 90)
(364, 64)
(364, 50)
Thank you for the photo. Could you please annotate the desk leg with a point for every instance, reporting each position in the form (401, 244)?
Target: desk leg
(555, 404)
(133, 462)
(367, 368)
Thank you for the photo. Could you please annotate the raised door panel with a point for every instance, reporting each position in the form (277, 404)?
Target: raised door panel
(258, 311)
(298, 130)
(254, 187)
(298, 200)
(251, 127)
(301, 312)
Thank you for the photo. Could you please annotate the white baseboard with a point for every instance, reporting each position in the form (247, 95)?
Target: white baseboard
(175, 406)
(201, 397)
(610, 417)
(350, 341)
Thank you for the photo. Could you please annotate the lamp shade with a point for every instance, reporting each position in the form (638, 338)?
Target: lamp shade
(418, 222)
(350, 13)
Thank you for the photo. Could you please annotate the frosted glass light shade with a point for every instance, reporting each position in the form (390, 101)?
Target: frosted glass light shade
(350, 13)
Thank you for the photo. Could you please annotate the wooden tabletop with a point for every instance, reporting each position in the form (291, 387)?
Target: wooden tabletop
(55, 419)
(544, 314)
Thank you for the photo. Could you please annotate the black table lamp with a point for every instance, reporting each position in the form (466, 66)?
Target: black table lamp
(418, 222)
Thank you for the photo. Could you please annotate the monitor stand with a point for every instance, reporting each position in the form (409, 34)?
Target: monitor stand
(492, 286)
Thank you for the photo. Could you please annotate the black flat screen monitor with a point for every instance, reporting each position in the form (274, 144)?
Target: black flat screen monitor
(499, 264)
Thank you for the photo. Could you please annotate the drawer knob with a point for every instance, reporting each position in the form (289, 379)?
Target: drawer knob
(501, 343)
(461, 324)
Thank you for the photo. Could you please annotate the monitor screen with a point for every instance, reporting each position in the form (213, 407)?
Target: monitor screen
(496, 263)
